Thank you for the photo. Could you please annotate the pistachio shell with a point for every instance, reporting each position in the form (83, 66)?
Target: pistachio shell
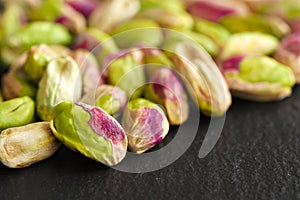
(123, 10)
(25, 145)
(167, 89)
(145, 125)
(16, 112)
(32, 34)
(288, 53)
(258, 78)
(91, 131)
(110, 98)
(249, 43)
(60, 82)
(137, 31)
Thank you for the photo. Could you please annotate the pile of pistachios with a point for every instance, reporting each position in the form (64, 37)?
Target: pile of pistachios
(105, 77)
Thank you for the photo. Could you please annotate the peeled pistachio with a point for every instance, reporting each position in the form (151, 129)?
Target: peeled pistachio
(110, 98)
(215, 31)
(201, 75)
(89, 69)
(168, 18)
(249, 43)
(124, 71)
(32, 34)
(85, 7)
(266, 24)
(145, 125)
(258, 78)
(72, 20)
(153, 55)
(123, 10)
(288, 53)
(215, 10)
(25, 145)
(15, 85)
(96, 41)
(175, 5)
(60, 82)
(137, 31)
(12, 19)
(16, 112)
(37, 59)
(47, 10)
(91, 131)
(167, 89)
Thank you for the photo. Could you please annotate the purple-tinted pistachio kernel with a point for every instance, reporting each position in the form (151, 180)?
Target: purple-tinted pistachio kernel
(85, 7)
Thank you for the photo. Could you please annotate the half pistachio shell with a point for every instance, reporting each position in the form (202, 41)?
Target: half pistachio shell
(60, 82)
(22, 146)
(258, 78)
(145, 125)
(91, 131)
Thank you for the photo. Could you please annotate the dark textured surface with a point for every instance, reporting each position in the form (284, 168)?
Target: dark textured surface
(257, 157)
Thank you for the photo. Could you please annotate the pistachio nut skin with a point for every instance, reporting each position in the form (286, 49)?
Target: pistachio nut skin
(124, 71)
(46, 10)
(258, 78)
(32, 34)
(204, 81)
(111, 99)
(38, 58)
(169, 18)
(89, 70)
(60, 82)
(249, 43)
(288, 53)
(137, 31)
(16, 112)
(174, 5)
(166, 89)
(22, 146)
(85, 7)
(153, 55)
(90, 131)
(215, 10)
(102, 18)
(218, 33)
(256, 23)
(145, 124)
(14, 86)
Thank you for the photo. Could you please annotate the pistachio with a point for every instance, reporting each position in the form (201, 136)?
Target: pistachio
(123, 10)
(16, 112)
(1, 98)
(32, 34)
(110, 98)
(288, 53)
(249, 43)
(91, 131)
(213, 30)
(72, 20)
(215, 10)
(60, 82)
(257, 23)
(47, 10)
(85, 7)
(153, 55)
(124, 71)
(25, 145)
(168, 18)
(14, 85)
(145, 125)
(201, 75)
(137, 31)
(258, 78)
(96, 41)
(89, 69)
(175, 5)
(37, 59)
(167, 89)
